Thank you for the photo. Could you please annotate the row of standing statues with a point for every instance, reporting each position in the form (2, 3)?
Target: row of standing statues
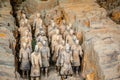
(54, 43)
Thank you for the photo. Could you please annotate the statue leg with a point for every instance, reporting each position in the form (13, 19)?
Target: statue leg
(56, 68)
(23, 74)
(62, 77)
(27, 74)
(37, 78)
(32, 78)
(42, 69)
(46, 71)
(77, 68)
(59, 69)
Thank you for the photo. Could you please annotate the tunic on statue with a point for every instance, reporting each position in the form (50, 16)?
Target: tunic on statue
(45, 54)
(24, 56)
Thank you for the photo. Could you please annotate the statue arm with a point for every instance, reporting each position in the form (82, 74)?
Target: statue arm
(71, 58)
(40, 61)
(62, 60)
(34, 24)
(20, 55)
(80, 51)
(48, 53)
(53, 47)
(29, 55)
(66, 38)
(32, 60)
(19, 29)
(58, 51)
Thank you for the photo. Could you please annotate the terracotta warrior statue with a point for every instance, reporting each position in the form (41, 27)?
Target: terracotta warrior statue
(66, 61)
(71, 38)
(76, 53)
(24, 58)
(45, 56)
(59, 53)
(36, 64)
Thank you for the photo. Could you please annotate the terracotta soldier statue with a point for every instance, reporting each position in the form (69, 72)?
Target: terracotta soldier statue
(71, 38)
(41, 36)
(52, 30)
(76, 53)
(36, 64)
(45, 55)
(24, 58)
(66, 61)
(60, 50)
(55, 46)
(62, 27)
(37, 22)
(39, 31)
(55, 39)
(23, 20)
(66, 32)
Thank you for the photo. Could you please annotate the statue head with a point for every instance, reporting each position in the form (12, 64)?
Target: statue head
(77, 42)
(26, 33)
(36, 51)
(71, 31)
(23, 16)
(63, 22)
(74, 38)
(36, 48)
(57, 37)
(57, 31)
(63, 42)
(38, 15)
(26, 22)
(67, 47)
(42, 33)
(52, 23)
(24, 45)
(68, 28)
(44, 43)
(40, 27)
(70, 25)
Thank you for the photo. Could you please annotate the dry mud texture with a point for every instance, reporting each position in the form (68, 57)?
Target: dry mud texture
(7, 26)
(112, 7)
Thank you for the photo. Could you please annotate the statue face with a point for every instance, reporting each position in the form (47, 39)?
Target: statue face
(40, 28)
(63, 42)
(63, 21)
(36, 48)
(57, 31)
(77, 42)
(26, 33)
(58, 38)
(26, 21)
(52, 23)
(67, 47)
(42, 32)
(71, 32)
(23, 15)
(74, 37)
(70, 25)
(68, 28)
(38, 15)
(44, 43)
(24, 45)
